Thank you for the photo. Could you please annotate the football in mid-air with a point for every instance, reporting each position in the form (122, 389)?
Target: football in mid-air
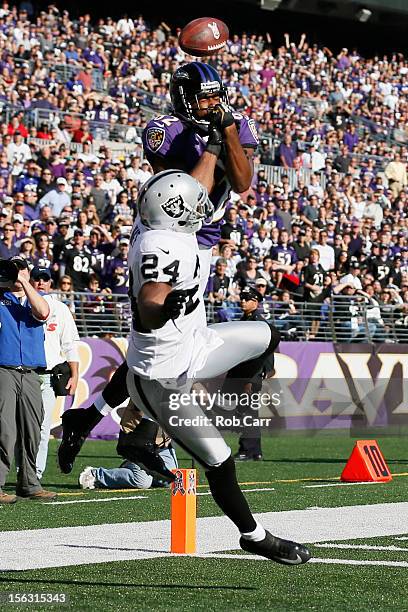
(203, 36)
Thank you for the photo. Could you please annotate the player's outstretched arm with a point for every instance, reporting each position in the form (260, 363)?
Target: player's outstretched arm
(238, 163)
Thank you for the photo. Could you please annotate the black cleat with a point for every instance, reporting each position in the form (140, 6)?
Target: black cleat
(276, 549)
(76, 427)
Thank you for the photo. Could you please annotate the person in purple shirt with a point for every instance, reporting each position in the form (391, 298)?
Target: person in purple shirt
(350, 137)
(117, 270)
(91, 55)
(284, 253)
(30, 177)
(287, 152)
(75, 85)
(31, 205)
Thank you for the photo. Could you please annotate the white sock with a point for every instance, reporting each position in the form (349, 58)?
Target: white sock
(257, 535)
(102, 406)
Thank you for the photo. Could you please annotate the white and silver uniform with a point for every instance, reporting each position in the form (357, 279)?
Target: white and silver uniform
(180, 347)
(170, 358)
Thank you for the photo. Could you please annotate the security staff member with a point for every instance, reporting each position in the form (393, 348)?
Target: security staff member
(61, 345)
(250, 439)
(23, 313)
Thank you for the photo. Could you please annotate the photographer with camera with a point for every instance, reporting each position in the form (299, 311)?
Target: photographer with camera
(23, 313)
(60, 377)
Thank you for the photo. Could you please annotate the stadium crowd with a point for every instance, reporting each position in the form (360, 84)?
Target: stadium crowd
(331, 226)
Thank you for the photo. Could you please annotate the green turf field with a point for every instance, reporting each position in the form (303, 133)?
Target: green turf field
(364, 573)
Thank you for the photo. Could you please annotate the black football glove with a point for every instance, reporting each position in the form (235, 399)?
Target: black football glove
(214, 142)
(174, 303)
(222, 116)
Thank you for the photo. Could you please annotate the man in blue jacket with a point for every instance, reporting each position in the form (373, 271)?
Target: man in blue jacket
(23, 313)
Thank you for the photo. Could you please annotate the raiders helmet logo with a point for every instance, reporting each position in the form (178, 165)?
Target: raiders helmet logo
(155, 137)
(174, 207)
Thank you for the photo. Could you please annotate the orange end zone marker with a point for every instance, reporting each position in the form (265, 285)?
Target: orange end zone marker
(184, 511)
(366, 464)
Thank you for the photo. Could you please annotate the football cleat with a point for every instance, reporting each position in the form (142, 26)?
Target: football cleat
(276, 549)
(76, 427)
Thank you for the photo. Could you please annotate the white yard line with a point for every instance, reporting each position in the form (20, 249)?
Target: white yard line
(243, 490)
(340, 484)
(360, 547)
(64, 546)
(94, 500)
(361, 562)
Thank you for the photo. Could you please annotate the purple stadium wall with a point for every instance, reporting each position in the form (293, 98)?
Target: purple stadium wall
(318, 385)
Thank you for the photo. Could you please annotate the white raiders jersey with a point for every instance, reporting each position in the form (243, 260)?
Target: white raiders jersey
(180, 346)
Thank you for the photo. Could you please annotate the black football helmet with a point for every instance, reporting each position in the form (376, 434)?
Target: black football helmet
(191, 82)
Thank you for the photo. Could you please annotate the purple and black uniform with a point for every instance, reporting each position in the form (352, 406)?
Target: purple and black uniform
(168, 137)
(286, 255)
(118, 282)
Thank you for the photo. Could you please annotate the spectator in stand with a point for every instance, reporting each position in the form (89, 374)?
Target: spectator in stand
(326, 252)
(7, 246)
(396, 174)
(287, 152)
(82, 135)
(76, 262)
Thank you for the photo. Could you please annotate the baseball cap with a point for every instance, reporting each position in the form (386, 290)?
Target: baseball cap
(261, 281)
(124, 241)
(78, 232)
(21, 263)
(249, 293)
(355, 264)
(383, 246)
(39, 272)
(18, 218)
(61, 181)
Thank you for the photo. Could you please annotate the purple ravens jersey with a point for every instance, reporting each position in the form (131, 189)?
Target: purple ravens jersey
(170, 138)
(285, 255)
(117, 275)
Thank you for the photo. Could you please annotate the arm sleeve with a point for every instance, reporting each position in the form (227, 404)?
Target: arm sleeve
(248, 133)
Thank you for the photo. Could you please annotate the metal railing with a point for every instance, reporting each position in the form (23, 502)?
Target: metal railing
(339, 319)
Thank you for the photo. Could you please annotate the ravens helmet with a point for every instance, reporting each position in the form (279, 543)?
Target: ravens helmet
(189, 84)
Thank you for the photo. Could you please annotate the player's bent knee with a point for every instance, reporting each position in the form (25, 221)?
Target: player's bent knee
(222, 472)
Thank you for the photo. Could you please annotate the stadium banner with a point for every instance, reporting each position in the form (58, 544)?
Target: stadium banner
(317, 385)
